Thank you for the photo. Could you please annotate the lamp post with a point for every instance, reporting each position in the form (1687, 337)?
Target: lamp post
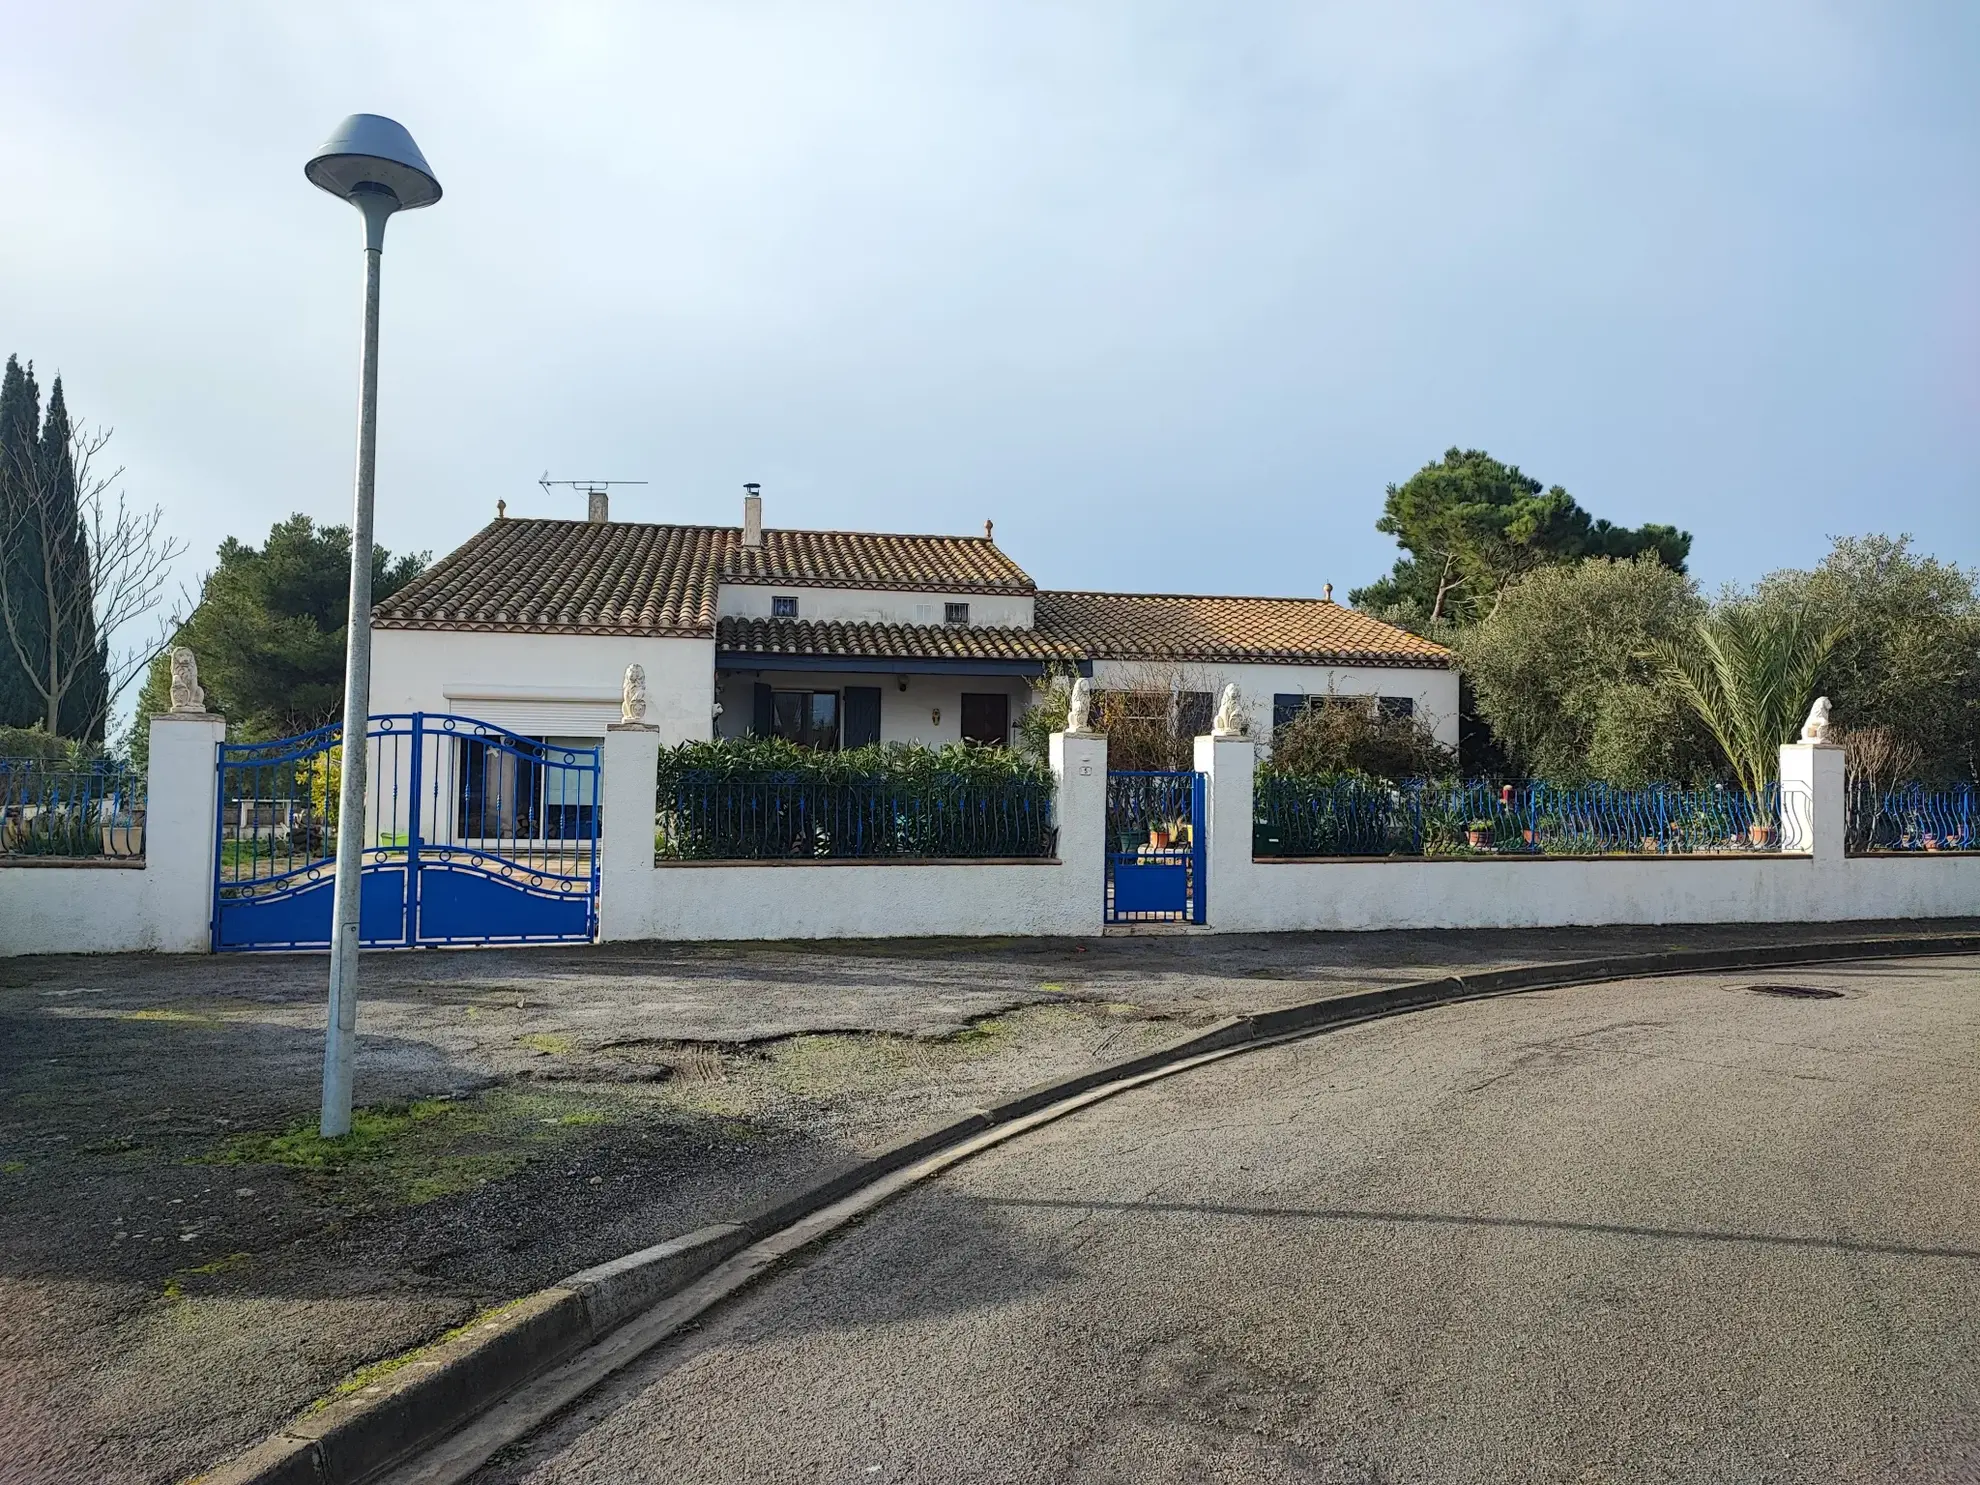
(372, 163)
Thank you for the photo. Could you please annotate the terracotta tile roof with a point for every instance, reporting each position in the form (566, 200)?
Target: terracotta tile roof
(626, 577)
(623, 577)
(889, 641)
(1180, 626)
(870, 559)
(568, 577)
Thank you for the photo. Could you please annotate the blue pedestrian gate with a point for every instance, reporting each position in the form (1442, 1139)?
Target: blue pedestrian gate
(472, 835)
(1155, 848)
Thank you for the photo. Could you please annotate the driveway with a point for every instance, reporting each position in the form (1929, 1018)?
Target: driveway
(1683, 1230)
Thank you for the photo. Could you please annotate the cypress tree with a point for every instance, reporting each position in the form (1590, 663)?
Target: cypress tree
(20, 417)
(86, 700)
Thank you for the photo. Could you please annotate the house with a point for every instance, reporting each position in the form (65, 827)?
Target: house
(837, 638)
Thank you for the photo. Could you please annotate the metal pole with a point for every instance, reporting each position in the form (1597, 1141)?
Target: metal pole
(340, 1044)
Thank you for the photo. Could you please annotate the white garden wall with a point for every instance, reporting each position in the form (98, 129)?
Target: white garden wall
(166, 903)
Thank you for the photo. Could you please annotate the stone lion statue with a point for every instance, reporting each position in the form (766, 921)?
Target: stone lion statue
(1816, 728)
(1079, 709)
(1229, 721)
(632, 706)
(186, 693)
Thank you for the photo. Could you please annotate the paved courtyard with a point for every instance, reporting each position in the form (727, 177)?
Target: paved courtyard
(182, 1265)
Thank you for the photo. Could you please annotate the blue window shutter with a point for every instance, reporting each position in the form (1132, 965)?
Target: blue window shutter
(861, 722)
(763, 721)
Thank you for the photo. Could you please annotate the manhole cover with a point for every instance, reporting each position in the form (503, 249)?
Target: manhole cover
(1796, 992)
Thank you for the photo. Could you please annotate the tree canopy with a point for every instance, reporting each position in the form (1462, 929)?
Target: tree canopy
(1471, 526)
(270, 627)
(1564, 674)
(1908, 658)
(54, 666)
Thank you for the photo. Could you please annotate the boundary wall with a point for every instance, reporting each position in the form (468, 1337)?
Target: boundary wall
(165, 904)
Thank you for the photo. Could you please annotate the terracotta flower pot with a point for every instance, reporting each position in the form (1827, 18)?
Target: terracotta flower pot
(1760, 835)
(1478, 840)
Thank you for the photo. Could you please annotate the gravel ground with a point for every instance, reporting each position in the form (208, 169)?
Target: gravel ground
(1666, 1231)
(182, 1265)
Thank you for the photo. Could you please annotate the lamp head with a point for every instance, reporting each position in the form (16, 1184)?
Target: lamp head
(373, 163)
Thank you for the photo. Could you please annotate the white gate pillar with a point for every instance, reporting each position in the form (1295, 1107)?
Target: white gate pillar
(1227, 764)
(181, 814)
(1813, 799)
(630, 765)
(1079, 777)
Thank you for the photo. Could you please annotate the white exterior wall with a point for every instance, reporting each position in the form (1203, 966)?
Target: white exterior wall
(841, 899)
(1435, 692)
(1820, 885)
(556, 685)
(905, 716)
(165, 904)
(876, 606)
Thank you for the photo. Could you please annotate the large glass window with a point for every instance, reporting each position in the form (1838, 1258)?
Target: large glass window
(809, 718)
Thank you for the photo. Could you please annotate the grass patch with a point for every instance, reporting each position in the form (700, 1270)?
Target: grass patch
(165, 1013)
(175, 1286)
(414, 1153)
(12, 1167)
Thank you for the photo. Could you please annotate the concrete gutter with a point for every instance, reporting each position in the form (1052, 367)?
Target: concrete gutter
(443, 1387)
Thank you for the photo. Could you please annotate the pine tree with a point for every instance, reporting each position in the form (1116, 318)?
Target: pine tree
(86, 700)
(20, 417)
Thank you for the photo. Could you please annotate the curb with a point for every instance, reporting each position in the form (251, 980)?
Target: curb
(439, 1389)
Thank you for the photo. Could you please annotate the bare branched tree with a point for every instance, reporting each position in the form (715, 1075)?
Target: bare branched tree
(83, 569)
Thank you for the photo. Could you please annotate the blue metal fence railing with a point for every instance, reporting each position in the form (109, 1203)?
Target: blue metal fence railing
(1155, 848)
(1912, 817)
(1350, 816)
(70, 812)
(705, 817)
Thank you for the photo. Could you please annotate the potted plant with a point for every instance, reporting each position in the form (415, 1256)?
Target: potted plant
(124, 838)
(1759, 834)
(1478, 835)
(1158, 838)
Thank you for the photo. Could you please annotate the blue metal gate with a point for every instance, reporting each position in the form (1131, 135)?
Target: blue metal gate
(472, 835)
(1155, 848)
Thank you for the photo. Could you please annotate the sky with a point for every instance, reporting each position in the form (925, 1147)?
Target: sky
(1169, 291)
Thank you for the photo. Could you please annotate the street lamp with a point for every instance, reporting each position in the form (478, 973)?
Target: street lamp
(372, 163)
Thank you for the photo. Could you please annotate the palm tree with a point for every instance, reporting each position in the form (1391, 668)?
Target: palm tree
(1750, 675)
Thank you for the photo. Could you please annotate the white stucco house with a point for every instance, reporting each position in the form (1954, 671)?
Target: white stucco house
(837, 638)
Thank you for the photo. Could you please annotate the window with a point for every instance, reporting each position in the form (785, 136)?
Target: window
(808, 718)
(986, 718)
(955, 613)
(1394, 707)
(504, 790)
(783, 608)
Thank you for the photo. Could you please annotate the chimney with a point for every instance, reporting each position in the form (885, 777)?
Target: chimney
(1327, 593)
(752, 515)
(599, 509)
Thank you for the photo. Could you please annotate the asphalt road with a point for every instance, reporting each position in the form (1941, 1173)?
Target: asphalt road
(1661, 1231)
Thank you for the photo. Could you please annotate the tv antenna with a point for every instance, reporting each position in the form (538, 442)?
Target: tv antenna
(588, 486)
